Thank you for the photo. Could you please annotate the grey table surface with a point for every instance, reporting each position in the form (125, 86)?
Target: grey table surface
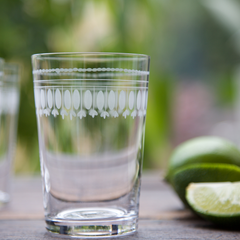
(162, 215)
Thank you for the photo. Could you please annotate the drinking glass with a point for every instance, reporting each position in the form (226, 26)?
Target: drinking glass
(9, 101)
(91, 110)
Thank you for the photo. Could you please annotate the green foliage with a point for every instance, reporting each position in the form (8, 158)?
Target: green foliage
(183, 38)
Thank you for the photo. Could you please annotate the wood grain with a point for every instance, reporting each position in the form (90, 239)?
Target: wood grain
(162, 215)
(148, 230)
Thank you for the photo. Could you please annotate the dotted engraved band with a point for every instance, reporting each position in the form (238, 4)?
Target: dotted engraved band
(81, 70)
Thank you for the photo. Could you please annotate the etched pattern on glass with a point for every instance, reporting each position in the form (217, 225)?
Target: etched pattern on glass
(57, 71)
(80, 102)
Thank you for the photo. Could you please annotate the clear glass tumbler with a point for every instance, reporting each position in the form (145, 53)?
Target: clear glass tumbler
(9, 102)
(91, 110)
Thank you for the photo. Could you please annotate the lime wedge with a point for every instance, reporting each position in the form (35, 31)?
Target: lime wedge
(202, 172)
(217, 202)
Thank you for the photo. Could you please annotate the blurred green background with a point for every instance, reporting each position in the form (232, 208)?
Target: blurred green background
(194, 48)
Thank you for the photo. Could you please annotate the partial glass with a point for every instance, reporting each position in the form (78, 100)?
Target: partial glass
(91, 110)
(9, 102)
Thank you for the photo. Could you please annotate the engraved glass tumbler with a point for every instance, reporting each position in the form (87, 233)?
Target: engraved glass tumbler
(91, 110)
(9, 102)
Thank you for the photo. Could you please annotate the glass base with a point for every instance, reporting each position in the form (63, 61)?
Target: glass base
(92, 223)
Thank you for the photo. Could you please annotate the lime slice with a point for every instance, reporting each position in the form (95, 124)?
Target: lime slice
(203, 150)
(203, 172)
(217, 202)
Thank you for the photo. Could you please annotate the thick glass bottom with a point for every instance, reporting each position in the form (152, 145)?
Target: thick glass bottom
(92, 223)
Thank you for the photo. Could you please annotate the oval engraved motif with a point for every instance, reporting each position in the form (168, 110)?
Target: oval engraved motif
(100, 100)
(42, 98)
(116, 99)
(58, 98)
(143, 99)
(131, 100)
(88, 99)
(122, 100)
(76, 99)
(37, 98)
(139, 100)
(111, 100)
(50, 98)
(146, 99)
(67, 99)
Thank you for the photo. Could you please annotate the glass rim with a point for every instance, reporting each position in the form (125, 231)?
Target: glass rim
(65, 55)
(2, 62)
(8, 65)
(10, 73)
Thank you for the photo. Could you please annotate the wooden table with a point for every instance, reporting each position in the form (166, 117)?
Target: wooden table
(162, 215)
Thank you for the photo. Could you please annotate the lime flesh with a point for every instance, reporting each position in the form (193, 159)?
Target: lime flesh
(217, 202)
